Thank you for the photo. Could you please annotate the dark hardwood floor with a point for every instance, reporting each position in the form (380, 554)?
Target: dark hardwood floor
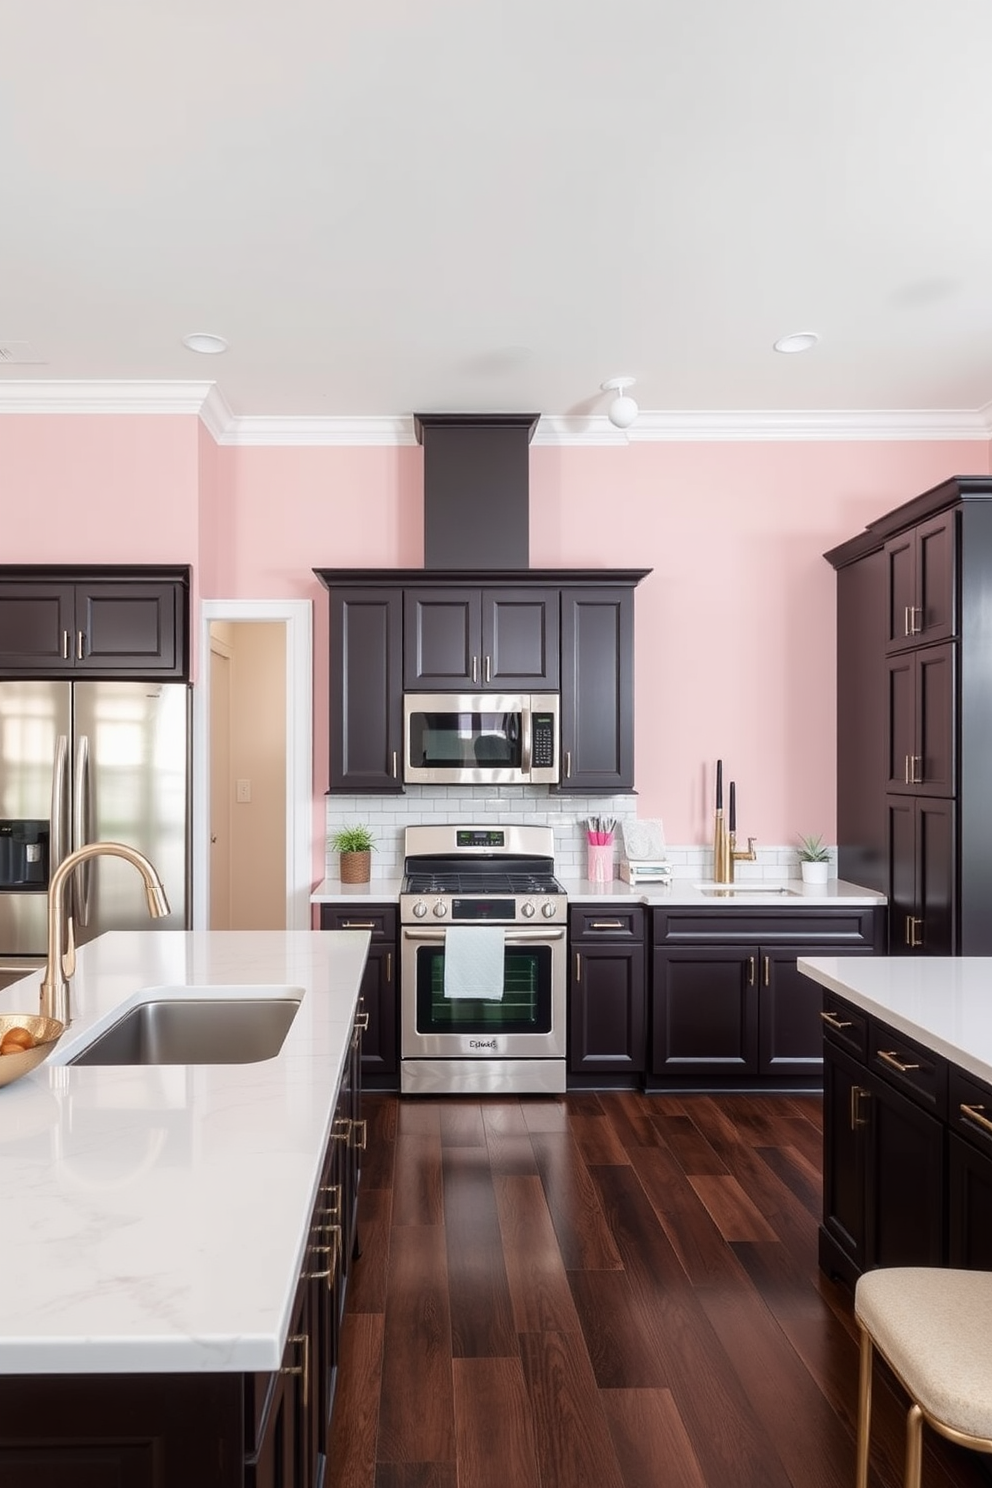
(602, 1291)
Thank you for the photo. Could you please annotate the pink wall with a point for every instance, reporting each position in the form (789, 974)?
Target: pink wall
(735, 625)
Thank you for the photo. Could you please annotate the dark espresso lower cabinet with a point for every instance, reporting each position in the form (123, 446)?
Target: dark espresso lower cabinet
(380, 988)
(607, 999)
(729, 1008)
(885, 1165)
(223, 1430)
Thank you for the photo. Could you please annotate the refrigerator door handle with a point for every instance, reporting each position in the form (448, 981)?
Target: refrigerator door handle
(59, 843)
(81, 829)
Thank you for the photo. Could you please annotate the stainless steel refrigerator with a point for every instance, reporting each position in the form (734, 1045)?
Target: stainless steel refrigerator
(85, 762)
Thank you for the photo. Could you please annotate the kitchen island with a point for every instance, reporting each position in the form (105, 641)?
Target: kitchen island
(907, 1087)
(171, 1233)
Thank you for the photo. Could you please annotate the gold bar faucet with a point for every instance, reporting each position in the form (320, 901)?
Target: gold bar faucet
(61, 946)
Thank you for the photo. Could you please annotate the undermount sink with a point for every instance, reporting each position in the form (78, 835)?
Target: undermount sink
(747, 891)
(197, 1030)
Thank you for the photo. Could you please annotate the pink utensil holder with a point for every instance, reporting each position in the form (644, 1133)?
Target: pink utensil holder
(599, 867)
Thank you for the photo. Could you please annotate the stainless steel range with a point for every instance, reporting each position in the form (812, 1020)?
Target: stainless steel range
(483, 934)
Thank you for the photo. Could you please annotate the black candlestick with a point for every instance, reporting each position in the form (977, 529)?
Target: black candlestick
(732, 823)
(719, 785)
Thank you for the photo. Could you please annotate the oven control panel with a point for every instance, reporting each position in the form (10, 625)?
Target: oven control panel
(488, 910)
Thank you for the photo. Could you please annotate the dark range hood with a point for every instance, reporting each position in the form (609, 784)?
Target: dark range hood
(476, 489)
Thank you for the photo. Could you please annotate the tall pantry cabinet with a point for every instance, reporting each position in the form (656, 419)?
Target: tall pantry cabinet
(914, 716)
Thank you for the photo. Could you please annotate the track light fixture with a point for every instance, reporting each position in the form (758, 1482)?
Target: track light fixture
(623, 410)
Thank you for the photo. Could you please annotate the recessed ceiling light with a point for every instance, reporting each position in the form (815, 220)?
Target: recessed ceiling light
(205, 343)
(797, 341)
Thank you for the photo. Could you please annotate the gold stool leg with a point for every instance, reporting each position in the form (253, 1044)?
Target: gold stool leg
(864, 1410)
(914, 1446)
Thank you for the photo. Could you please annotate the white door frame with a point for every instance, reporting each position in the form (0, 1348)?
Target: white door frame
(298, 617)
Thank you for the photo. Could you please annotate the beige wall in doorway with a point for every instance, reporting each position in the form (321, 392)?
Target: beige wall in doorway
(255, 868)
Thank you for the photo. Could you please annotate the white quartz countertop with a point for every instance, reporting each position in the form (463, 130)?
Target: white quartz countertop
(834, 894)
(154, 1218)
(943, 1002)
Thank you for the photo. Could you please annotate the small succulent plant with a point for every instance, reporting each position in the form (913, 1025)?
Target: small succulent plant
(352, 839)
(812, 850)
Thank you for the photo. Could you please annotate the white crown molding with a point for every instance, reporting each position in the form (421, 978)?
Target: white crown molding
(38, 395)
(206, 401)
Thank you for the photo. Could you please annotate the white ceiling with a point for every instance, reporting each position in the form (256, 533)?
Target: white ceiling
(449, 204)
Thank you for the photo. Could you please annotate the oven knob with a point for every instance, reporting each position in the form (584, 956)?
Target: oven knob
(527, 910)
(548, 909)
(440, 910)
(419, 910)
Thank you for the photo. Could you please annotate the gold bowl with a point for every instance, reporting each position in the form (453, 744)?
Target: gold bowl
(46, 1033)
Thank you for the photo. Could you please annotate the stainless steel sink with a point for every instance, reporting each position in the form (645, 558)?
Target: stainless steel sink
(740, 891)
(201, 1030)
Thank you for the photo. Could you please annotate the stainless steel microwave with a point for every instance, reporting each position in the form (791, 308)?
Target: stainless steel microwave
(481, 738)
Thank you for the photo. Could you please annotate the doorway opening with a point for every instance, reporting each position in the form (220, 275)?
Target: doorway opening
(252, 763)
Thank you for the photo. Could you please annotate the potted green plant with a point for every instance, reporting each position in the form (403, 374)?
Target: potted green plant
(355, 845)
(814, 859)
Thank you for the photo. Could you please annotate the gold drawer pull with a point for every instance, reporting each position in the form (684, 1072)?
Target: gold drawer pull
(334, 1207)
(361, 1022)
(890, 1059)
(750, 971)
(857, 1119)
(341, 1130)
(320, 1275)
(360, 1131)
(303, 1368)
(974, 1113)
(358, 924)
(832, 1020)
(606, 924)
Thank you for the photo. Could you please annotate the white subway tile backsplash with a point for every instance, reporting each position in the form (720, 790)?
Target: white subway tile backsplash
(389, 815)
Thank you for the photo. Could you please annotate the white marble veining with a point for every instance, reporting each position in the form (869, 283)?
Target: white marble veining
(155, 1218)
(943, 1002)
(834, 894)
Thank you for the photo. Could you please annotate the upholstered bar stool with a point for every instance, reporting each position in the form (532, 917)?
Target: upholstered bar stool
(933, 1327)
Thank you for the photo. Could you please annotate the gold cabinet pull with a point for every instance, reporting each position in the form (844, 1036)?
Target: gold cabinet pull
(359, 1134)
(568, 764)
(606, 924)
(389, 966)
(915, 626)
(578, 967)
(750, 971)
(341, 1130)
(333, 1190)
(857, 1119)
(304, 1368)
(832, 1020)
(905, 769)
(80, 643)
(65, 645)
(358, 924)
(914, 928)
(394, 764)
(767, 971)
(320, 1275)
(887, 1056)
(974, 1113)
(916, 769)
(488, 670)
(361, 1022)
(475, 669)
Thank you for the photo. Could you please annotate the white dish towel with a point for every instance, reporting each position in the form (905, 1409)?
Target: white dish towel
(473, 961)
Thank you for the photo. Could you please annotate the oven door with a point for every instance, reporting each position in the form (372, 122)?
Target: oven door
(527, 1022)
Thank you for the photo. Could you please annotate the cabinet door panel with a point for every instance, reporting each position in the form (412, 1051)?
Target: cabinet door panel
(442, 639)
(844, 1150)
(597, 696)
(901, 733)
(969, 1240)
(900, 562)
(936, 875)
(36, 627)
(607, 1009)
(789, 1022)
(905, 1218)
(936, 544)
(901, 813)
(126, 627)
(934, 773)
(706, 1012)
(520, 638)
(366, 682)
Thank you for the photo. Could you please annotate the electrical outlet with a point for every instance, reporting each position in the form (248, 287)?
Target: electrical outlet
(243, 791)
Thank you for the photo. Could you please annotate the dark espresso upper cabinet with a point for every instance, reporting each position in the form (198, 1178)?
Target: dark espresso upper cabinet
(528, 630)
(480, 639)
(70, 622)
(914, 716)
